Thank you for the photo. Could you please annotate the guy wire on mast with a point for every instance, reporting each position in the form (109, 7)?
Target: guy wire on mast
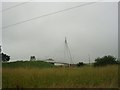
(67, 52)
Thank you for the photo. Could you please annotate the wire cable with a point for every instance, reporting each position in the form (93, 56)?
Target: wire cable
(6, 9)
(52, 13)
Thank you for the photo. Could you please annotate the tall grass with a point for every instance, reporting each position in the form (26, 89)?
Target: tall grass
(88, 77)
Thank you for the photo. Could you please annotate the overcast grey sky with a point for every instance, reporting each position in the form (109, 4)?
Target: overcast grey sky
(90, 30)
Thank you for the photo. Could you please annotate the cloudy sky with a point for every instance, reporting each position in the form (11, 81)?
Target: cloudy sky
(0, 24)
(91, 30)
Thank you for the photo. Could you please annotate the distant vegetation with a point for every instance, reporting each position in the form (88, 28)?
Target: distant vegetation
(4, 57)
(80, 64)
(27, 64)
(106, 60)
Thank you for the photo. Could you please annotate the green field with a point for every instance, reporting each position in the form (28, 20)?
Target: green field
(61, 77)
(27, 64)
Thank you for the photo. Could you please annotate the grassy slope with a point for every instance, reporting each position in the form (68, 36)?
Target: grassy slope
(27, 64)
(88, 77)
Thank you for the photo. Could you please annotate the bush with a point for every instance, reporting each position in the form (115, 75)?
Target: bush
(106, 60)
(80, 64)
(5, 57)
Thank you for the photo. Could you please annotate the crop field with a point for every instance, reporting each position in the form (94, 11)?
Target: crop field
(60, 77)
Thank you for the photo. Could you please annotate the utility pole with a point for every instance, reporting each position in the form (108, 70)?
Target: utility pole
(89, 59)
(0, 49)
(0, 54)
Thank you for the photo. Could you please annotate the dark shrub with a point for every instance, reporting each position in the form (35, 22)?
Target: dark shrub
(106, 60)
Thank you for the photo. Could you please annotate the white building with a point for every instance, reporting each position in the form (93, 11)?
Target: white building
(56, 63)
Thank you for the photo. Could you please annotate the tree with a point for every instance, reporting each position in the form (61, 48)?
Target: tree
(80, 64)
(5, 57)
(32, 58)
(106, 60)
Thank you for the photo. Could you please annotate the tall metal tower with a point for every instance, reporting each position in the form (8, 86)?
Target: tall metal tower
(67, 53)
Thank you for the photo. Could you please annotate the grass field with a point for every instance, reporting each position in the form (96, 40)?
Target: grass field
(83, 77)
(27, 64)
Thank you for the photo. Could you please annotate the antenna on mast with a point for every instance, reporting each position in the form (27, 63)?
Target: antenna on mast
(67, 52)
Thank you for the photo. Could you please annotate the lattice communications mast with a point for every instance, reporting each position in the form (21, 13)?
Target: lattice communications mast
(67, 53)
